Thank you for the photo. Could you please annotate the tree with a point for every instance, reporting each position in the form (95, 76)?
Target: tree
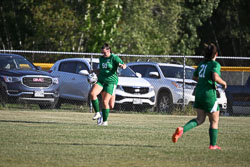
(147, 27)
(229, 27)
(193, 15)
(99, 21)
(16, 23)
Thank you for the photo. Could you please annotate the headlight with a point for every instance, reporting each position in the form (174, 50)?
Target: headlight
(55, 80)
(180, 85)
(11, 79)
(119, 87)
(177, 85)
(151, 88)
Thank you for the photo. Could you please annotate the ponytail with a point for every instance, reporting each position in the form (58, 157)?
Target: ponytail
(209, 51)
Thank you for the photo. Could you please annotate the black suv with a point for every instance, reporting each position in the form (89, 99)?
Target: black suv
(22, 82)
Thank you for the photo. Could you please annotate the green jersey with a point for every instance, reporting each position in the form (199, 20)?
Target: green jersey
(205, 89)
(108, 69)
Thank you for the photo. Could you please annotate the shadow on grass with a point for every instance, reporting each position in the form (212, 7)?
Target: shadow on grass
(37, 122)
(96, 144)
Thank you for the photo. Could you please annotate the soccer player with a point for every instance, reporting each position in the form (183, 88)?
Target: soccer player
(207, 75)
(107, 82)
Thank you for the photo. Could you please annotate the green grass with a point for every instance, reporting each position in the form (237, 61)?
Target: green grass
(63, 138)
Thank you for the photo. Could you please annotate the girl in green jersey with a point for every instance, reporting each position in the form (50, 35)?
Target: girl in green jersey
(106, 84)
(207, 75)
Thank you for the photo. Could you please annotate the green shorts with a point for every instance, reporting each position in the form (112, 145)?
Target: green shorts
(109, 88)
(207, 106)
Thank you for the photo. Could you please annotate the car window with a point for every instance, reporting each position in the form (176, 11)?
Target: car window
(139, 68)
(176, 72)
(95, 65)
(23, 63)
(149, 69)
(11, 63)
(68, 67)
(144, 70)
(127, 72)
(81, 66)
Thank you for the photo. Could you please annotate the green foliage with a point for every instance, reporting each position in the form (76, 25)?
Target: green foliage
(150, 27)
(230, 27)
(99, 23)
(194, 14)
(55, 26)
(147, 27)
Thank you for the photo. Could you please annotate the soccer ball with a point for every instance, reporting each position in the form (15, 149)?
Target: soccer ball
(92, 78)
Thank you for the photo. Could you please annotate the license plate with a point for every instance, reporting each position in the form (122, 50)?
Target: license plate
(137, 101)
(39, 93)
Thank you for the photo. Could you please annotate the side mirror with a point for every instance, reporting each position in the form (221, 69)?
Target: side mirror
(39, 68)
(138, 74)
(154, 75)
(84, 72)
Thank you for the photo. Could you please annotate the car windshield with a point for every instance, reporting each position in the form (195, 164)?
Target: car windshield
(127, 72)
(13, 63)
(176, 72)
(95, 65)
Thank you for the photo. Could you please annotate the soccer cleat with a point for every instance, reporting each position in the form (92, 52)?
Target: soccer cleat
(96, 116)
(178, 133)
(211, 147)
(100, 120)
(105, 123)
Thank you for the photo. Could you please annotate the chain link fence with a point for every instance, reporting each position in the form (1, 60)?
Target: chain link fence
(152, 83)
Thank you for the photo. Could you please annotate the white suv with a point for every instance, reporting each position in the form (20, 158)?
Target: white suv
(167, 80)
(132, 91)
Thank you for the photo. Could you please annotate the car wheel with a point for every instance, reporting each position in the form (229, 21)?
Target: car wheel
(165, 103)
(3, 96)
(229, 108)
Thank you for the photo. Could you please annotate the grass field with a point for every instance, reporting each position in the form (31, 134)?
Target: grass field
(66, 138)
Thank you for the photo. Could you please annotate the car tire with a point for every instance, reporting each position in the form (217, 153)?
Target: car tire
(230, 108)
(3, 96)
(165, 103)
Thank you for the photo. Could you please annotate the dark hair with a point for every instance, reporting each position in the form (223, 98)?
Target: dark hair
(209, 51)
(106, 46)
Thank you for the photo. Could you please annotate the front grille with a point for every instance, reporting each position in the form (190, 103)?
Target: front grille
(37, 81)
(135, 90)
(32, 96)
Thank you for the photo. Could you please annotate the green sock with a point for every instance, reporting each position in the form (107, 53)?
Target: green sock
(190, 125)
(95, 104)
(105, 114)
(213, 134)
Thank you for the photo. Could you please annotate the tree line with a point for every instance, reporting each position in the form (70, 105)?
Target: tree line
(155, 27)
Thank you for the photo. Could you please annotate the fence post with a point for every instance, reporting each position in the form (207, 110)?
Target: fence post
(90, 104)
(184, 76)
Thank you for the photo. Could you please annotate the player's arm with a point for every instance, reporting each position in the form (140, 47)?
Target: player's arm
(219, 80)
(195, 75)
(120, 63)
(195, 78)
(123, 66)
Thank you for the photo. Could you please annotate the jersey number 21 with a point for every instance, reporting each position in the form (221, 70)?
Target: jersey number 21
(202, 71)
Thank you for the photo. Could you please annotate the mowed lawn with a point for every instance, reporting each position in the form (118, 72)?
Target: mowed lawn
(61, 138)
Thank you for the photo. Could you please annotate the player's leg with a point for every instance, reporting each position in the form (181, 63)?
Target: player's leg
(95, 91)
(106, 108)
(201, 117)
(112, 102)
(111, 106)
(213, 130)
(108, 95)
